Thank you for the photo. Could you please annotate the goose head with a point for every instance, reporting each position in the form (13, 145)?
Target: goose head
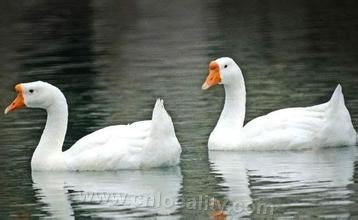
(224, 71)
(35, 95)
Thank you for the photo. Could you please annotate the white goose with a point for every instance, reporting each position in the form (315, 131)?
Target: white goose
(325, 125)
(141, 145)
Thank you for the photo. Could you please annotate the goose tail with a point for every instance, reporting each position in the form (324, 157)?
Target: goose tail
(161, 121)
(336, 103)
(339, 114)
(163, 146)
(337, 97)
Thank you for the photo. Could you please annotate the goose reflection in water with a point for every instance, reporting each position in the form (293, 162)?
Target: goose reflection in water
(264, 183)
(110, 194)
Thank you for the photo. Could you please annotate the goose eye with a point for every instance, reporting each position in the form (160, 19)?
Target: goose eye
(225, 66)
(31, 91)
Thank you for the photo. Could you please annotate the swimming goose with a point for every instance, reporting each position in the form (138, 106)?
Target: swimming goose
(141, 145)
(325, 125)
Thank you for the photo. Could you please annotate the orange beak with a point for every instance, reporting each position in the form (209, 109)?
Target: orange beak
(213, 77)
(18, 102)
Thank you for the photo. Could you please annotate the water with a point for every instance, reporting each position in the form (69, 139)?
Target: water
(112, 59)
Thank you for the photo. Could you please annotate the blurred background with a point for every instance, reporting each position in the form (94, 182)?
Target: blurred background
(112, 59)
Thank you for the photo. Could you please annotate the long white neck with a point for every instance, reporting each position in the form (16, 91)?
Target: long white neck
(233, 114)
(48, 153)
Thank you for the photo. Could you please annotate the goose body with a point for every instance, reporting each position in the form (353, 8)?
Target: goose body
(140, 145)
(325, 125)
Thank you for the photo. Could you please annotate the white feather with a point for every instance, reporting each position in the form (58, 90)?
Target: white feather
(323, 125)
(143, 144)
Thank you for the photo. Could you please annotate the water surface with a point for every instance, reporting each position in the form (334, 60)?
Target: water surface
(112, 59)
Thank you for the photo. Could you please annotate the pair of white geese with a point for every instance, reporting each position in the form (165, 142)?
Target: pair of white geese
(153, 143)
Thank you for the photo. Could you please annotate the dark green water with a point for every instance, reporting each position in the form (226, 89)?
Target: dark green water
(112, 59)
